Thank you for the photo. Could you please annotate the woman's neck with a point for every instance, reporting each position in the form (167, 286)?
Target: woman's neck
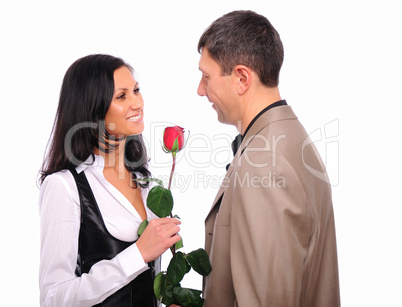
(114, 159)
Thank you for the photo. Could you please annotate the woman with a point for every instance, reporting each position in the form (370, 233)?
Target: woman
(90, 202)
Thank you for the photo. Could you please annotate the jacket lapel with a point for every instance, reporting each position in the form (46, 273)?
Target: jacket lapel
(271, 116)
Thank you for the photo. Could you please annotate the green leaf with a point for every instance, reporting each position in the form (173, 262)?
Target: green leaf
(160, 201)
(163, 289)
(142, 227)
(187, 297)
(167, 296)
(178, 245)
(177, 268)
(199, 261)
(159, 285)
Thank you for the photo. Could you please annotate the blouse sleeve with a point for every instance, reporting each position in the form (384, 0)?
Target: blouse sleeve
(59, 231)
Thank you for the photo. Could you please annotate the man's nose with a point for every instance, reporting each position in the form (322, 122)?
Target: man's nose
(201, 88)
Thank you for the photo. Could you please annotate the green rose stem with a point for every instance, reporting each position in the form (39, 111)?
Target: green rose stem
(166, 285)
(173, 247)
(172, 171)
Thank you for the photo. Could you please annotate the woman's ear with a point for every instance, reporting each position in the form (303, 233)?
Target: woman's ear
(243, 73)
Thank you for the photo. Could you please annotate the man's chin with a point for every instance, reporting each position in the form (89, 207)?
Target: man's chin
(223, 121)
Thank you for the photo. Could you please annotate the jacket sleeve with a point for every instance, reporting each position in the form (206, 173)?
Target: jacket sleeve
(270, 227)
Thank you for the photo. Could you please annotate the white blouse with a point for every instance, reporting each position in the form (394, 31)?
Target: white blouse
(59, 230)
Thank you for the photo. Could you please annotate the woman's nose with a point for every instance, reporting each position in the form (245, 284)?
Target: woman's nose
(136, 102)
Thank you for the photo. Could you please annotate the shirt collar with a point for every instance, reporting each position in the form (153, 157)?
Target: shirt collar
(92, 161)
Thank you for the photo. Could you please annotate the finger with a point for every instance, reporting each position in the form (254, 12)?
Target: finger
(171, 231)
(167, 220)
(174, 239)
(166, 225)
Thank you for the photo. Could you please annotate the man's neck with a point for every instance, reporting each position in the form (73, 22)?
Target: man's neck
(254, 103)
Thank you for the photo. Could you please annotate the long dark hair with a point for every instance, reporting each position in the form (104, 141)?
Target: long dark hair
(79, 126)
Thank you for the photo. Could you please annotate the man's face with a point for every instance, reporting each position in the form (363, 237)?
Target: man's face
(220, 90)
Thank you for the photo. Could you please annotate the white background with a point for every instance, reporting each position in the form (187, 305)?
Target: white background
(341, 75)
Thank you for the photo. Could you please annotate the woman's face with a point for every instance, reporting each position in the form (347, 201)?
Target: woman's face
(125, 114)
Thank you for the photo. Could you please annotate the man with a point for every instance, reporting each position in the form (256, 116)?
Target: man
(270, 234)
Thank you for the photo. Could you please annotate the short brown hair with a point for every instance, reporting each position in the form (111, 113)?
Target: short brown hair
(246, 38)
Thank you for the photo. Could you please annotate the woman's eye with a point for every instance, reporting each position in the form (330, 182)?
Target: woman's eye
(121, 96)
(136, 90)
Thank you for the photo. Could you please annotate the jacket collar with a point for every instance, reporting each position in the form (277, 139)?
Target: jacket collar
(274, 115)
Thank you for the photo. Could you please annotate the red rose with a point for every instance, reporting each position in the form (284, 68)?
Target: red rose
(173, 138)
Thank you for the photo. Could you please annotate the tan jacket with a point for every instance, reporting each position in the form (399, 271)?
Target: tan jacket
(271, 239)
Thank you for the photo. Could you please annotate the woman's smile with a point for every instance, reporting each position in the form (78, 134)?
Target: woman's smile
(136, 118)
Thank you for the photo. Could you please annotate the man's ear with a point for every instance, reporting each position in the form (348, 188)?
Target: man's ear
(243, 73)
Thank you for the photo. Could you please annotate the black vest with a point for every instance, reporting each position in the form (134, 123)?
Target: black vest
(96, 244)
